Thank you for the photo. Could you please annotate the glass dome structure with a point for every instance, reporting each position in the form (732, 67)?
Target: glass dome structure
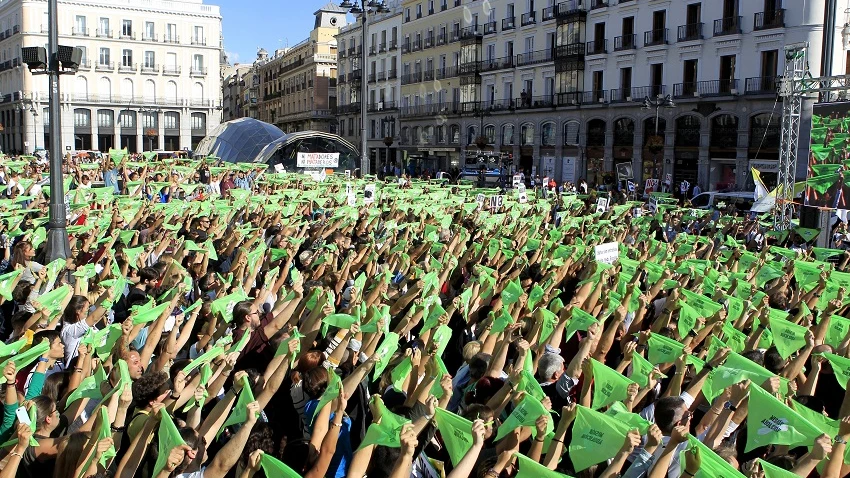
(238, 141)
(284, 150)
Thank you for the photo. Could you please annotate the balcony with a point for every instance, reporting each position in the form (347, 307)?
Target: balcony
(597, 47)
(107, 66)
(761, 85)
(490, 28)
(596, 4)
(393, 74)
(405, 47)
(196, 71)
(352, 51)
(570, 8)
(705, 88)
(529, 18)
(769, 19)
(393, 45)
(372, 78)
(373, 50)
(382, 76)
(152, 38)
(126, 36)
(727, 26)
(534, 58)
(690, 32)
(443, 73)
(576, 98)
(624, 95)
(103, 33)
(199, 41)
(171, 39)
(535, 102)
(150, 69)
(355, 76)
(509, 23)
(85, 65)
(470, 68)
(16, 29)
(428, 75)
(122, 68)
(655, 37)
(341, 79)
(417, 45)
(341, 54)
(570, 50)
(429, 42)
(171, 70)
(470, 32)
(442, 38)
(494, 64)
(382, 47)
(411, 78)
(80, 32)
(548, 14)
(625, 42)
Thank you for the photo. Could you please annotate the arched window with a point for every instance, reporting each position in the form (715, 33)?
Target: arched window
(104, 89)
(198, 91)
(490, 133)
(688, 131)
(454, 134)
(127, 90)
(526, 134)
(508, 134)
(171, 91)
(417, 138)
(765, 131)
(470, 134)
(171, 120)
(82, 118)
(596, 132)
(571, 132)
(428, 134)
(547, 134)
(405, 132)
(105, 118)
(150, 91)
(199, 122)
(724, 131)
(441, 134)
(624, 132)
(82, 88)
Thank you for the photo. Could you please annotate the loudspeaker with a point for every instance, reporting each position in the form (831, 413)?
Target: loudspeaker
(70, 57)
(35, 57)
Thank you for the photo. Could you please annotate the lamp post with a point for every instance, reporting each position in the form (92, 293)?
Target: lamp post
(370, 7)
(153, 129)
(34, 128)
(648, 104)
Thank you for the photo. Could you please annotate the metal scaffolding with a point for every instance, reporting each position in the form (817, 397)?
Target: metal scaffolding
(792, 88)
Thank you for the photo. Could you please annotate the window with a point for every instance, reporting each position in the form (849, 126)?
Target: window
(104, 56)
(454, 134)
(105, 118)
(508, 134)
(199, 122)
(199, 35)
(103, 26)
(470, 134)
(490, 133)
(127, 119)
(84, 56)
(198, 62)
(527, 134)
(82, 118)
(150, 60)
(547, 134)
(171, 120)
(127, 58)
(171, 32)
(80, 25)
(150, 31)
(127, 28)
(419, 11)
(149, 120)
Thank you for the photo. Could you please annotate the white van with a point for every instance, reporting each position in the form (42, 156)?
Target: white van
(743, 201)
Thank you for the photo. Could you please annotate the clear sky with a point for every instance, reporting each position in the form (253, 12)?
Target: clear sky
(271, 24)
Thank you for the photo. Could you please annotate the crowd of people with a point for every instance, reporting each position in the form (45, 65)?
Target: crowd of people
(221, 320)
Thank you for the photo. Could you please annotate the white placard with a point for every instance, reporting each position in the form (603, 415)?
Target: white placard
(318, 160)
(278, 168)
(369, 194)
(318, 176)
(348, 188)
(352, 199)
(517, 180)
(347, 174)
(608, 252)
(602, 205)
(480, 198)
(651, 186)
(496, 202)
(523, 195)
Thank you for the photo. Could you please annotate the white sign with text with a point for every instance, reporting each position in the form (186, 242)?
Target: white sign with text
(318, 160)
(608, 252)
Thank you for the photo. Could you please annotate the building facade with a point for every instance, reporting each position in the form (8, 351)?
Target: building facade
(382, 74)
(149, 76)
(557, 88)
(298, 85)
(241, 88)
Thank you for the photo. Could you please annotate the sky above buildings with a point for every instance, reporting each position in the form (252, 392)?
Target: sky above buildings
(271, 24)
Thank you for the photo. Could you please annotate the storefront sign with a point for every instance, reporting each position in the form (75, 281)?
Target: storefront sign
(765, 166)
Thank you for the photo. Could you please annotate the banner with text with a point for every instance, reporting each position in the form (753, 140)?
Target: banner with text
(318, 160)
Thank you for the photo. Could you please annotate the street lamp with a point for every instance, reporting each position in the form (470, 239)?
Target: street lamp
(648, 104)
(370, 7)
(153, 131)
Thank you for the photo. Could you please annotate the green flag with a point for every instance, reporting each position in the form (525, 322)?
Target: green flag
(609, 385)
(641, 370)
(89, 387)
(787, 336)
(240, 409)
(596, 438)
(13, 348)
(456, 432)
(579, 320)
(663, 349)
(104, 431)
(773, 471)
(529, 468)
(688, 317)
(206, 357)
(511, 292)
(6, 281)
(331, 393)
(840, 366)
(400, 373)
(276, 468)
(340, 321)
(387, 432)
(385, 352)
(633, 420)
(771, 422)
(711, 465)
(52, 301)
(524, 415)
(169, 439)
(23, 359)
(223, 306)
(701, 304)
(146, 315)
